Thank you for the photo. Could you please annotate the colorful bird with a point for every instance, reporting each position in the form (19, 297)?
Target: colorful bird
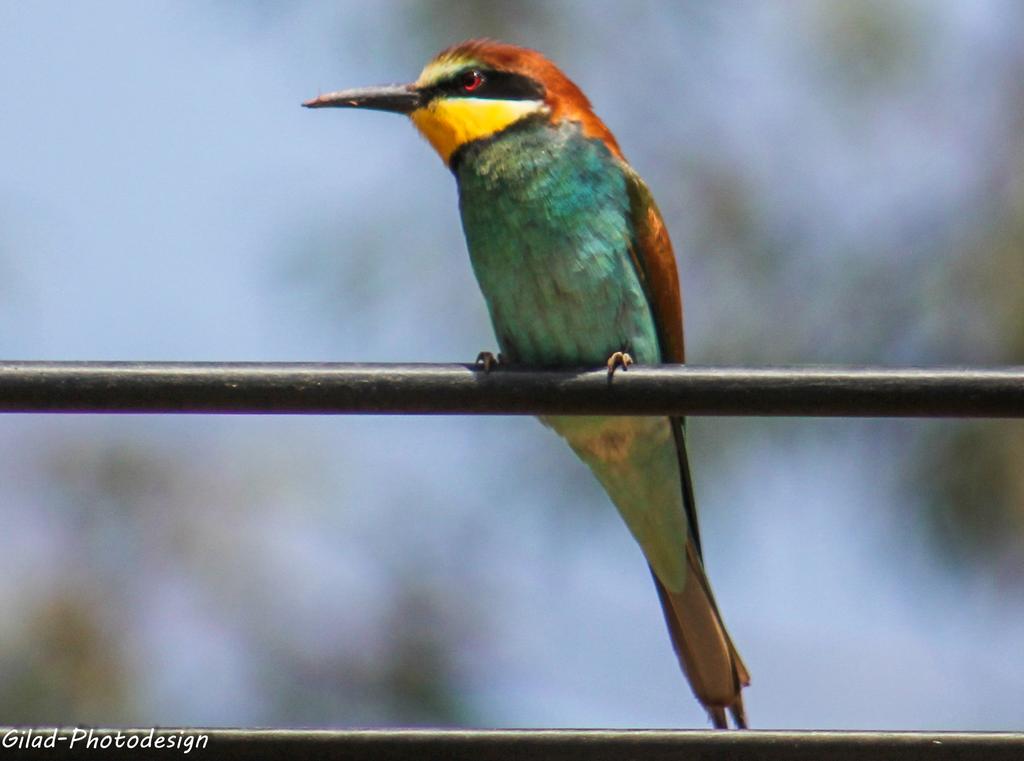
(577, 269)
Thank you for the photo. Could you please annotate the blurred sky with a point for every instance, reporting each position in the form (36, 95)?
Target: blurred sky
(841, 180)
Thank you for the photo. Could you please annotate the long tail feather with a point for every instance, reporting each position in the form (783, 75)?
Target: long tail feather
(706, 653)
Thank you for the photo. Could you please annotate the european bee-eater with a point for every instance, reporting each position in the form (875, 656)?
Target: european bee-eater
(577, 269)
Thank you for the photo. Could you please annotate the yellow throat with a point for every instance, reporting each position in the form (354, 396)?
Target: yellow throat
(448, 123)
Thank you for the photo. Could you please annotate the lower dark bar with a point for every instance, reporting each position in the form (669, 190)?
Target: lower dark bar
(542, 745)
(148, 387)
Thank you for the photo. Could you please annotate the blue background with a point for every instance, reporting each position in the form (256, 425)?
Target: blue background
(844, 182)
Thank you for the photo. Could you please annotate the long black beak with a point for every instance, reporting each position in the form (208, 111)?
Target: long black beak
(400, 99)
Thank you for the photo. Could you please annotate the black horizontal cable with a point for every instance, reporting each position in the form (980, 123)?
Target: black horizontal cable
(502, 745)
(341, 388)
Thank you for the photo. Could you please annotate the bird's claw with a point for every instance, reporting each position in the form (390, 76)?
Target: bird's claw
(617, 360)
(488, 360)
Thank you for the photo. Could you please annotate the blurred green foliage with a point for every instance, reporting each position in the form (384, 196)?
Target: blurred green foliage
(829, 277)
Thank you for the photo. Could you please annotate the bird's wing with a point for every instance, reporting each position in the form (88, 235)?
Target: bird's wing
(655, 263)
(705, 650)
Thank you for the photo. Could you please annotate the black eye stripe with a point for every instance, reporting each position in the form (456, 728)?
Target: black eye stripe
(497, 85)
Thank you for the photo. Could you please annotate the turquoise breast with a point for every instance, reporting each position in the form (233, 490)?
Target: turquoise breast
(545, 211)
(547, 220)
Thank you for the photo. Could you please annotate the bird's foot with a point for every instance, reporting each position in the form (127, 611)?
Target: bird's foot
(488, 360)
(617, 360)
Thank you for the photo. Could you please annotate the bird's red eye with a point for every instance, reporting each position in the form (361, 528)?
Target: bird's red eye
(472, 80)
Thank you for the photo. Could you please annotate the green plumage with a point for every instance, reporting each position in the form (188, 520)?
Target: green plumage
(546, 212)
(576, 266)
